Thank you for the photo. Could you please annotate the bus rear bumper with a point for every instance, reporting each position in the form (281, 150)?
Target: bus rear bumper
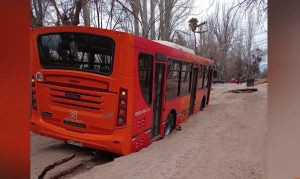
(117, 142)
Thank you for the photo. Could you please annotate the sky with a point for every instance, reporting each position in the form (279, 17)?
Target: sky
(202, 9)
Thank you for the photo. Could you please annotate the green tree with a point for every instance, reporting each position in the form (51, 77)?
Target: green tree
(257, 57)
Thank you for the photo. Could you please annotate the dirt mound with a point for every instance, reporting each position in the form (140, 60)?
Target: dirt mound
(261, 81)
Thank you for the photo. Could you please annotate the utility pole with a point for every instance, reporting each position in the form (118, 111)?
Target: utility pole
(201, 32)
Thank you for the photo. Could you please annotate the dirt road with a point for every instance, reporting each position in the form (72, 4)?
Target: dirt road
(227, 141)
(46, 151)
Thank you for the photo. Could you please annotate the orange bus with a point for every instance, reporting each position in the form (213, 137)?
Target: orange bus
(112, 90)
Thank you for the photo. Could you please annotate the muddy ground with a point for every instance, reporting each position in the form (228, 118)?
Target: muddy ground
(227, 140)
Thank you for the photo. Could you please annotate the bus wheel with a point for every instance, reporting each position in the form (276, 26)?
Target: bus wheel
(169, 124)
(202, 104)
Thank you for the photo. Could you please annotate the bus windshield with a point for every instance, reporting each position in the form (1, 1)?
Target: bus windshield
(76, 51)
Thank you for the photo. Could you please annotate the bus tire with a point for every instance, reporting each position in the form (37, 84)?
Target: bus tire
(170, 123)
(202, 104)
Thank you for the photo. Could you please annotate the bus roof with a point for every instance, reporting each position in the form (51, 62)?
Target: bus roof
(170, 50)
(174, 45)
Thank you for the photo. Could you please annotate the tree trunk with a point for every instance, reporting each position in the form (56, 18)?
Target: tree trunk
(38, 8)
(152, 19)
(33, 20)
(75, 19)
(86, 13)
(101, 7)
(40, 14)
(195, 44)
(161, 20)
(144, 17)
(98, 13)
(135, 13)
(167, 18)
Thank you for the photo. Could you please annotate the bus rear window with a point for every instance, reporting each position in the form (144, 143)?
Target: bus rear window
(77, 51)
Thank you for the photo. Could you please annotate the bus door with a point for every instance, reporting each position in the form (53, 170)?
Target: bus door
(159, 98)
(193, 90)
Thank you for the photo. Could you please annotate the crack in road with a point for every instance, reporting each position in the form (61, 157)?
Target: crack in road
(98, 158)
(69, 170)
(54, 164)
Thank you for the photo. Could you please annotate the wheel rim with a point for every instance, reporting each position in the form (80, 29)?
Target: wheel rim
(168, 126)
(168, 129)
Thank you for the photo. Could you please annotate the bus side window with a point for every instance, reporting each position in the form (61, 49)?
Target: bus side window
(186, 71)
(172, 85)
(204, 76)
(200, 77)
(145, 76)
(207, 76)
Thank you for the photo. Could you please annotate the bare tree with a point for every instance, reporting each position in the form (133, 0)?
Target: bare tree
(172, 13)
(152, 18)
(249, 45)
(224, 25)
(231, 45)
(37, 12)
(209, 45)
(144, 17)
(68, 12)
(246, 6)
(86, 13)
(179, 38)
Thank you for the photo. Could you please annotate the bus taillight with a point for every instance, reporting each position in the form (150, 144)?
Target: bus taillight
(122, 108)
(33, 97)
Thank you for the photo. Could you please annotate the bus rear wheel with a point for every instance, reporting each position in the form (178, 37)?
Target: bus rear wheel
(169, 124)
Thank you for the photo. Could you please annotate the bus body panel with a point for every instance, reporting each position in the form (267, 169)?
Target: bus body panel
(142, 116)
(173, 104)
(126, 64)
(200, 94)
(116, 142)
(95, 113)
